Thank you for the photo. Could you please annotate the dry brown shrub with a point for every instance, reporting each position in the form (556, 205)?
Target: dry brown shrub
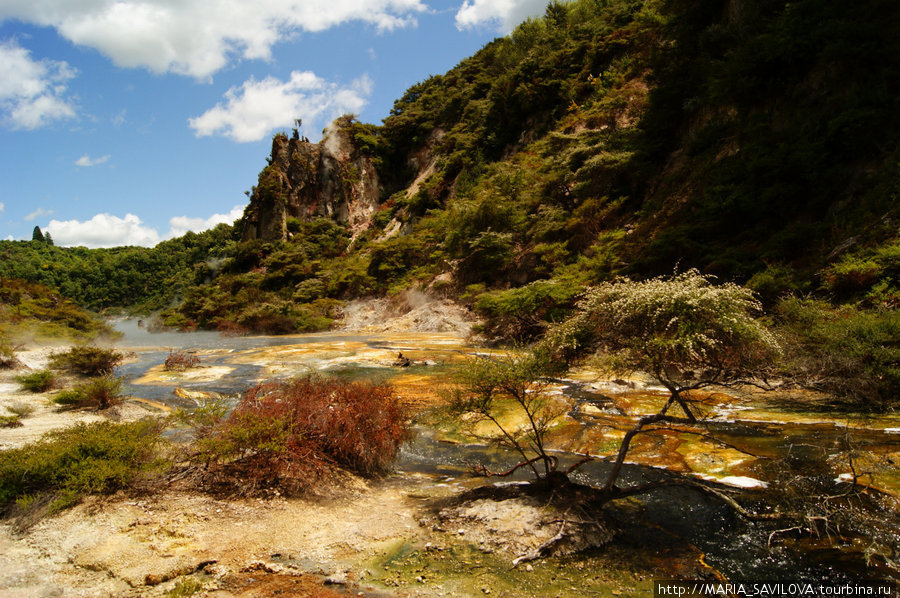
(295, 435)
(180, 360)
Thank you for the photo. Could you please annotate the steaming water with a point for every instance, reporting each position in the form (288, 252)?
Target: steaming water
(736, 548)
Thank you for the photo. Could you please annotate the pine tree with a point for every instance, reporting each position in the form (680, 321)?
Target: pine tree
(37, 235)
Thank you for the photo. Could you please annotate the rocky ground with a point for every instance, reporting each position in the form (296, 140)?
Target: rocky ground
(399, 536)
(410, 311)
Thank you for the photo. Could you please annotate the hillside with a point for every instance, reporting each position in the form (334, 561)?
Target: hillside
(137, 278)
(755, 141)
(33, 311)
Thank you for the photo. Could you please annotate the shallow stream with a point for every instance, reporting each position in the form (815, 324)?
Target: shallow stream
(744, 433)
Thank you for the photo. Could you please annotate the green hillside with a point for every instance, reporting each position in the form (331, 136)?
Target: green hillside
(121, 277)
(755, 141)
(33, 311)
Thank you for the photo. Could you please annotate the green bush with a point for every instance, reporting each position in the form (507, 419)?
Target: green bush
(99, 393)
(523, 313)
(684, 330)
(851, 353)
(87, 361)
(8, 359)
(65, 466)
(10, 421)
(39, 381)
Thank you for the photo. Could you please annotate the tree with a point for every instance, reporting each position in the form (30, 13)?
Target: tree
(683, 330)
(485, 384)
(37, 235)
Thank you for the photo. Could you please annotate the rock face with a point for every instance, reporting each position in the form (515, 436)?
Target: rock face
(331, 179)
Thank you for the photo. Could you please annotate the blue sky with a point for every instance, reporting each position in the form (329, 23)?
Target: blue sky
(126, 122)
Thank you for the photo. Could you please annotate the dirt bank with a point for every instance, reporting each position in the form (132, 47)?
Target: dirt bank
(409, 311)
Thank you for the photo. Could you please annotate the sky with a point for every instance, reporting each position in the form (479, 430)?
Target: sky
(128, 122)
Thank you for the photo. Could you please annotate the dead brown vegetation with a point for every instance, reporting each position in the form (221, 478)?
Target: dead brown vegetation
(293, 436)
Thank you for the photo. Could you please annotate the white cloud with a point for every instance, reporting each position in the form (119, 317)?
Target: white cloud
(503, 14)
(37, 214)
(199, 37)
(179, 225)
(86, 160)
(2, 206)
(252, 110)
(103, 230)
(32, 92)
(106, 230)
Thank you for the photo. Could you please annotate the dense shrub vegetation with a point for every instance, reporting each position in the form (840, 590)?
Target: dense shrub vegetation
(613, 138)
(87, 360)
(129, 277)
(30, 310)
(852, 355)
(98, 393)
(65, 466)
(292, 435)
(39, 381)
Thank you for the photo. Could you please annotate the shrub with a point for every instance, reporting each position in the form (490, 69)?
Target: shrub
(8, 358)
(21, 409)
(487, 386)
(65, 466)
(39, 381)
(522, 314)
(290, 435)
(88, 361)
(847, 352)
(10, 421)
(672, 327)
(100, 393)
(18, 410)
(179, 360)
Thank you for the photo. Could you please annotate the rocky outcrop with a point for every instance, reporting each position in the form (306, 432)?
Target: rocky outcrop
(303, 180)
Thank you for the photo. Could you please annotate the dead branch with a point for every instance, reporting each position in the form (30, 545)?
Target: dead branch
(483, 471)
(544, 548)
(585, 459)
(650, 486)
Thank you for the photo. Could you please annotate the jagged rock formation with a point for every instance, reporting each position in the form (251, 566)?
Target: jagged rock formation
(304, 180)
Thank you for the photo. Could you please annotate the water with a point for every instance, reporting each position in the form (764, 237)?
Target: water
(731, 545)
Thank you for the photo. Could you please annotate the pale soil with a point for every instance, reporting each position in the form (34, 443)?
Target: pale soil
(356, 541)
(139, 546)
(45, 416)
(410, 311)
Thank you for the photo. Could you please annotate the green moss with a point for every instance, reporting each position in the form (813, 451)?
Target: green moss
(465, 570)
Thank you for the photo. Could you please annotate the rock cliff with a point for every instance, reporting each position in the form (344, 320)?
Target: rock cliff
(303, 180)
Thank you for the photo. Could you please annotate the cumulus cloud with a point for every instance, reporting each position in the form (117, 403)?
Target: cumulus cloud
(199, 37)
(32, 92)
(37, 214)
(106, 230)
(502, 14)
(87, 161)
(179, 225)
(252, 110)
(103, 230)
